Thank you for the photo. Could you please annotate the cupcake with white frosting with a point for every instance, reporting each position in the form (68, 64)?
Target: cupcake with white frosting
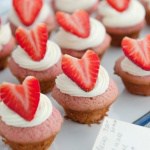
(134, 67)
(37, 56)
(78, 33)
(146, 4)
(28, 121)
(121, 18)
(7, 44)
(84, 89)
(70, 6)
(30, 13)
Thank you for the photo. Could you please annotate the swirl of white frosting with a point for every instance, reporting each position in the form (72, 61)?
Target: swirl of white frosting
(5, 35)
(133, 15)
(52, 56)
(67, 40)
(72, 5)
(67, 86)
(43, 14)
(43, 112)
(131, 68)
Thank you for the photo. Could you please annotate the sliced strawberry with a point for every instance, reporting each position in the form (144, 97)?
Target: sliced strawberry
(84, 71)
(138, 51)
(22, 99)
(78, 23)
(27, 10)
(33, 41)
(119, 5)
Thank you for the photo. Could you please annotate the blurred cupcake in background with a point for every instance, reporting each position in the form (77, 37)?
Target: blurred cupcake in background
(70, 6)
(121, 18)
(134, 67)
(78, 33)
(37, 56)
(29, 13)
(7, 44)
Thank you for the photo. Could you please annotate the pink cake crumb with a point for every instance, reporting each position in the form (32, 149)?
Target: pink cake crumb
(33, 134)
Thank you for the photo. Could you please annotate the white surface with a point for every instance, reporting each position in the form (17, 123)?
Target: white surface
(74, 136)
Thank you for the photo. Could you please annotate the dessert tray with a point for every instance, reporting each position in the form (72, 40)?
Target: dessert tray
(74, 136)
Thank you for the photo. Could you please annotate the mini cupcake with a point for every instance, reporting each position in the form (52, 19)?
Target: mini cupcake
(28, 121)
(29, 13)
(78, 33)
(84, 89)
(7, 44)
(36, 56)
(134, 67)
(146, 4)
(70, 6)
(121, 18)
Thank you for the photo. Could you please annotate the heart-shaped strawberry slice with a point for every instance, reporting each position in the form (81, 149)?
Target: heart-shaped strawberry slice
(119, 5)
(27, 10)
(78, 23)
(138, 51)
(84, 71)
(22, 99)
(34, 41)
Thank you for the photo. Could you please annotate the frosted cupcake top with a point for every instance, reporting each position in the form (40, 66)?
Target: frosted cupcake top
(24, 105)
(35, 13)
(129, 17)
(78, 31)
(72, 5)
(83, 77)
(34, 51)
(5, 35)
(137, 60)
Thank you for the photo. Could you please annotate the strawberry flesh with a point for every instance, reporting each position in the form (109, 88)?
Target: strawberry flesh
(84, 71)
(138, 51)
(34, 41)
(27, 10)
(78, 23)
(119, 5)
(22, 99)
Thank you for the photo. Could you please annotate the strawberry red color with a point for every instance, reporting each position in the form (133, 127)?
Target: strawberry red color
(84, 71)
(22, 99)
(78, 23)
(27, 10)
(34, 41)
(119, 5)
(138, 51)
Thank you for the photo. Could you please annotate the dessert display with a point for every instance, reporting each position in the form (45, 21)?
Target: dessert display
(146, 4)
(28, 121)
(78, 33)
(84, 89)
(29, 13)
(121, 18)
(7, 44)
(70, 6)
(37, 56)
(134, 67)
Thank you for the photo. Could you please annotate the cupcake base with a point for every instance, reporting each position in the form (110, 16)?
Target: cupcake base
(134, 84)
(86, 117)
(148, 16)
(3, 63)
(44, 145)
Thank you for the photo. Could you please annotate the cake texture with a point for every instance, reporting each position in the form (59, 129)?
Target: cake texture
(121, 19)
(85, 98)
(31, 130)
(25, 60)
(7, 44)
(76, 41)
(38, 12)
(134, 67)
